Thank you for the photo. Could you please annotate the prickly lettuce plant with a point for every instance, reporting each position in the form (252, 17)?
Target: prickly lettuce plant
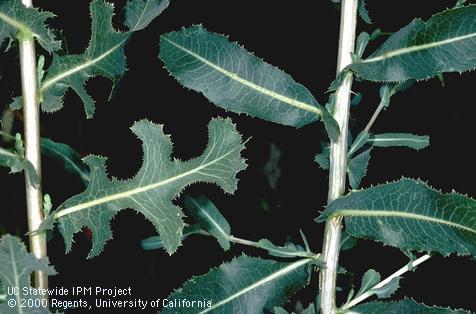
(407, 214)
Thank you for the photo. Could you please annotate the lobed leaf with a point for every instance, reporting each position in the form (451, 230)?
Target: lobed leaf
(236, 80)
(16, 20)
(210, 219)
(103, 57)
(245, 285)
(411, 216)
(421, 50)
(152, 190)
(405, 306)
(16, 267)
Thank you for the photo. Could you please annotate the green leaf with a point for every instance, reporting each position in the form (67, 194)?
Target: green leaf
(401, 307)
(322, 159)
(279, 310)
(155, 242)
(460, 3)
(399, 139)
(67, 155)
(245, 285)
(420, 50)
(16, 21)
(411, 216)
(311, 309)
(387, 290)
(358, 143)
(388, 90)
(208, 216)
(347, 241)
(357, 168)
(16, 267)
(155, 186)
(363, 12)
(289, 250)
(139, 13)
(18, 163)
(103, 57)
(236, 80)
(370, 279)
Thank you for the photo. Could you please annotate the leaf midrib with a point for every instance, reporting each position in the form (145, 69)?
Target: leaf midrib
(386, 213)
(18, 25)
(210, 218)
(275, 275)
(137, 190)
(407, 50)
(239, 79)
(90, 62)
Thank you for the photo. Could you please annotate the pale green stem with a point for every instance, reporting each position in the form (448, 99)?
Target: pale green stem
(338, 158)
(386, 281)
(31, 124)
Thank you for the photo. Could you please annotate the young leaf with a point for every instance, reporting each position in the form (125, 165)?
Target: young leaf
(103, 57)
(208, 216)
(322, 159)
(370, 279)
(16, 267)
(411, 216)
(17, 163)
(363, 12)
(401, 307)
(420, 50)
(236, 80)
(399, 139)
(288, 250)
(155, 186)
(245, 285)
(16, 20)
(67, 155)
(155, 242)
(357, 168)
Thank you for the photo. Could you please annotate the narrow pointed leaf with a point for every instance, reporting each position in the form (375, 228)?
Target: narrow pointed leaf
(411, 216)
(155, 186)
(103, 57)
(18, 20)
(363, 12)
(401, 307)
(245, 285)
(289, 250)
(208, 216)
(139, 13)
(236, 80)
(370, 279)
(16, 267)
(347, 242)
(67, 155)
(399, 139)
(155, 242)
(357, 168)
(420, 50)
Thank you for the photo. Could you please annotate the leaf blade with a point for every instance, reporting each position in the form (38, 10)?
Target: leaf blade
(152, 190)
(257, 285)
(411, 216)
(205, 213)
(16, 266)
(406, 306)
(255, 87)
(416, 142)
(443, 49)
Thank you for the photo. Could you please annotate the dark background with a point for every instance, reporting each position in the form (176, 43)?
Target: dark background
(301, 38)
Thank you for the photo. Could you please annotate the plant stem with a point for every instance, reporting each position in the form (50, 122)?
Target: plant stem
(377, 111)
(31, 124)
(384, 282)
(338, 158)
